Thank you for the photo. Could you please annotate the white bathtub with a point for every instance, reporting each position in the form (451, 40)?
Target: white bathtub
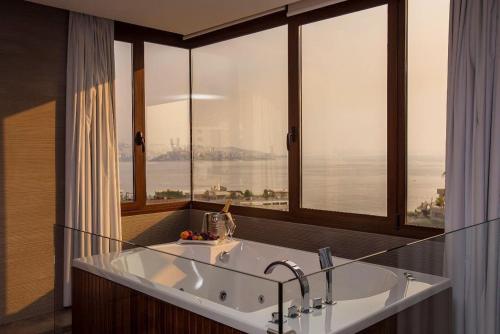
(365, 293)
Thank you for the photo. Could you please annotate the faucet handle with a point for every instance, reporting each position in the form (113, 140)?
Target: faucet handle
(318, 303)
(275, 317)
(293, 311)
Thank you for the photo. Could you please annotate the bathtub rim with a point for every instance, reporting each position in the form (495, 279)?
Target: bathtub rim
(226, 315)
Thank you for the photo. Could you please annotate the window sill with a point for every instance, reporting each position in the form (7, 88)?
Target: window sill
(128, 209)
(346, 221)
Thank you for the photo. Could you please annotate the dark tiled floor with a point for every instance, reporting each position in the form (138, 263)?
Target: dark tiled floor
(44, 324)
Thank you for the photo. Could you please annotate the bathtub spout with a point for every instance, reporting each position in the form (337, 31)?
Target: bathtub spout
(297, 271)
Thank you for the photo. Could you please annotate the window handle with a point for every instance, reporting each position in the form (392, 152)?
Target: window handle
(290, 137)
(140, 140)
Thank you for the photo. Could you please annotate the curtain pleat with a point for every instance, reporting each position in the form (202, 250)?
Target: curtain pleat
(92, 177)
(473, 165)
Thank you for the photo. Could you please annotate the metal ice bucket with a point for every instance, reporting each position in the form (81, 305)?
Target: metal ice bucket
(220, 224)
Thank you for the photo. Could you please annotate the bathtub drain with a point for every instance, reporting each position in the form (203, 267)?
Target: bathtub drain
(261, 299)
(223, 295)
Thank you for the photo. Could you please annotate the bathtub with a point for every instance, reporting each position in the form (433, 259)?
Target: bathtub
(233, 289)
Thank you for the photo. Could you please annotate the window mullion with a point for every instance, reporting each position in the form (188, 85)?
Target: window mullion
(139, 125)
(395, 133)
(294, 174)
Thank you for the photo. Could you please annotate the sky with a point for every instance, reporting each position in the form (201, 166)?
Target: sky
(240, 87)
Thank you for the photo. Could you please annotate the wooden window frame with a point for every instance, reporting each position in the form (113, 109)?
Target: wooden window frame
(394, 222)
(378, 224)
(137, 36)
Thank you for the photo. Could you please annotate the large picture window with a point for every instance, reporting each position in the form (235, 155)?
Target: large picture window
(168, 158)
(335, 116)
(344, 113)
(240, 113)
(153, 126)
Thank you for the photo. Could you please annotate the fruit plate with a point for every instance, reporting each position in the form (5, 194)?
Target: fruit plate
(199, 242)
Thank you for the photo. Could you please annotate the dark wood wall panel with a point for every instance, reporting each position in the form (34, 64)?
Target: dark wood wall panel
(102, 306)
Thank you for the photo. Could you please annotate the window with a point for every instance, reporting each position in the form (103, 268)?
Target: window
(124, 116)
(335, 116)
(344, 113)
(153, 125)
(168, 158)
(427, 84)
(240, 113)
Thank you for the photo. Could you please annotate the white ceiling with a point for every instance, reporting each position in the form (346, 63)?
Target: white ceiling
(180, 16)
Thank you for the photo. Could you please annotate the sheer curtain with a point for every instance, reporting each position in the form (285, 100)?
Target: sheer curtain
(473, 163)
(92, 179)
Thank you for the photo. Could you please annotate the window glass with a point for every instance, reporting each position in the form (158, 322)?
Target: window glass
(240, 120)
(168, 159)
(344, 113)
(428, 22)
(124, 117)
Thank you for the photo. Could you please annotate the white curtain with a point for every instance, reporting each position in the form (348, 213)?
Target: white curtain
(473, 165)
(92, 179)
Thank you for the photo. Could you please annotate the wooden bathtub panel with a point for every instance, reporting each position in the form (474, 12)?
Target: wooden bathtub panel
(102, 306)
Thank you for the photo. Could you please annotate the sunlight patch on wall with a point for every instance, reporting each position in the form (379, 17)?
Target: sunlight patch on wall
(29, 169)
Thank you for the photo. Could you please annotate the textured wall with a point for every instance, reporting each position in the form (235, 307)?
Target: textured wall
(32, 103)
(155, 228)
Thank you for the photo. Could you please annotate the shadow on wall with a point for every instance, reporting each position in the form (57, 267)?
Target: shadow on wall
(155, 228)
(33, 41)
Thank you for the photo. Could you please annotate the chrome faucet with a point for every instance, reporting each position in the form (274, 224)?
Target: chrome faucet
(325, 261)
(304, 283)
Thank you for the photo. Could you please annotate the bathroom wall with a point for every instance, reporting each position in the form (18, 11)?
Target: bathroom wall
(32, 103)
(155, 228)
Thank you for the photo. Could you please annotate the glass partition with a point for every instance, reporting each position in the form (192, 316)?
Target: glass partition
(435, 285)
(445, 284)
(107, 282)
